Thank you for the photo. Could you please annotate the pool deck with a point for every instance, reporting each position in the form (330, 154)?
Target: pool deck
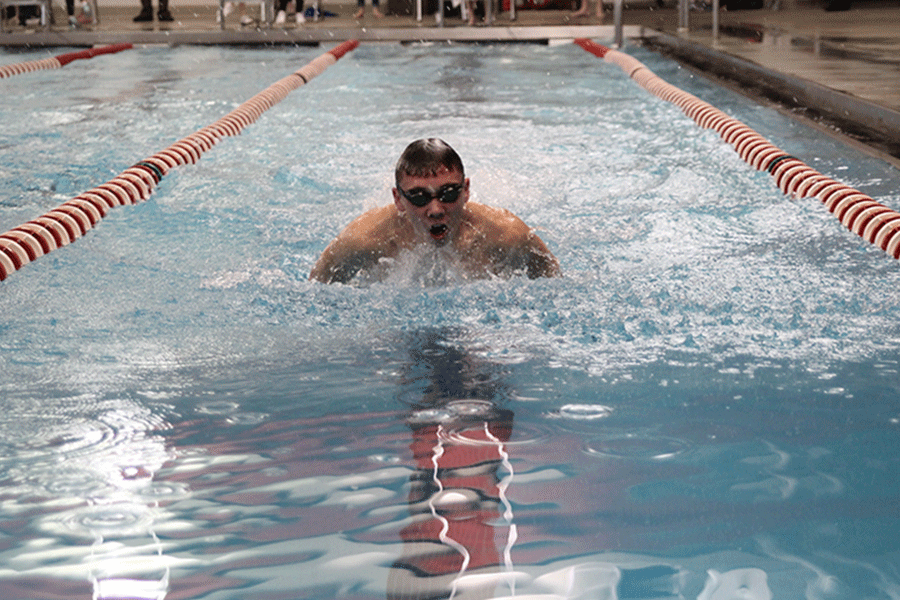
(837, 68)
(839, 71)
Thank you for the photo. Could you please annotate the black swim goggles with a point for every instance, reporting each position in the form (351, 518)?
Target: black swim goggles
(447, 194)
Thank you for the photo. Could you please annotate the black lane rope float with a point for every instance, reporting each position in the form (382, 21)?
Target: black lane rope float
(58, 62)
(874, 222)
(73, 219)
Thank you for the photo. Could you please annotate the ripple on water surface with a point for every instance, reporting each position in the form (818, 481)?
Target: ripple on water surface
(635, 446)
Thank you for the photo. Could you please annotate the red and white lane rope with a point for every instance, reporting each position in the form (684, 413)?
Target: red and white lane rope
(58, 62)
(874, 222)
(73, 219)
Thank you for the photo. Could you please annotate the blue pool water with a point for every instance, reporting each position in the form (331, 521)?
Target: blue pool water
(704, 406)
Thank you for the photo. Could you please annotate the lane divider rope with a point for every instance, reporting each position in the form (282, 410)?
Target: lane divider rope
(874, 222)
(73, 219)
(58, 62)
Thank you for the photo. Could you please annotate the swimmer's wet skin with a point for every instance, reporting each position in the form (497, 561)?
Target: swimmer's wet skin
(431, 208)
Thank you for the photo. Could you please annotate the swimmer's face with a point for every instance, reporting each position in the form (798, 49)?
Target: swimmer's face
(436, 220)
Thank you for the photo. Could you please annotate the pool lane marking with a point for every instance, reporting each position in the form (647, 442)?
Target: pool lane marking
(874, 222)
(73, 219)
(59, 61)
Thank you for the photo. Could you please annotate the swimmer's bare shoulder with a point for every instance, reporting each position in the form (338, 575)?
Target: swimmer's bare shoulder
(507, 243)
(376, 234)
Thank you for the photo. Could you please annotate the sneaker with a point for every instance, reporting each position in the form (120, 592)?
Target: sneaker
(32, 21)
(300, 18)
(246, 20)
(164, 16)
(145, 16)
(280, 18)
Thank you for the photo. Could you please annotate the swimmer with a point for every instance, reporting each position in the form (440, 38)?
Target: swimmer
(431, 209)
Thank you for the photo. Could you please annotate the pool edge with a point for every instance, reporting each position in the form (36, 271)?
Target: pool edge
(850, 118)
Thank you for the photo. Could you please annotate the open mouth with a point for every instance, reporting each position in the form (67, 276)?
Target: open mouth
(438, 232)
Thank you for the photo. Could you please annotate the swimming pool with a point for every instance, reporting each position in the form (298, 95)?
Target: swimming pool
(704, 406)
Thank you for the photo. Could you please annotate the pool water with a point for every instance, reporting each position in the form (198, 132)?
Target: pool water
(703, 406)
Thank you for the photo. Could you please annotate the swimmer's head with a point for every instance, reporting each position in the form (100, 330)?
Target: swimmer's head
(427, 158)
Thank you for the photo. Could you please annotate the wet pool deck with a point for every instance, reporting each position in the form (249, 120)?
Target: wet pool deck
(843, 66)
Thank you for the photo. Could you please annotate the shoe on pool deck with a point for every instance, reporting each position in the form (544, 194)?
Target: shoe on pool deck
(280, 18)
(164, 16)
(144, 17)
(246, 20)
(300, 18)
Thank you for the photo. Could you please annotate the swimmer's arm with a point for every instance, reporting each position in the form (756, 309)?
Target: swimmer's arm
(520, 249)
(539, 261)
(340, 265)
(527, 251)
(360, 246)
(344, 257)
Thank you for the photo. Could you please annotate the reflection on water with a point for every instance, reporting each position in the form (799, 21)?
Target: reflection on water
(457, 504)
(88, 465)
(421, 483)
(444, 365)
(457, 499)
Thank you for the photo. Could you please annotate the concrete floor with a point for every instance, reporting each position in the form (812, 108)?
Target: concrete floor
(839, 69)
